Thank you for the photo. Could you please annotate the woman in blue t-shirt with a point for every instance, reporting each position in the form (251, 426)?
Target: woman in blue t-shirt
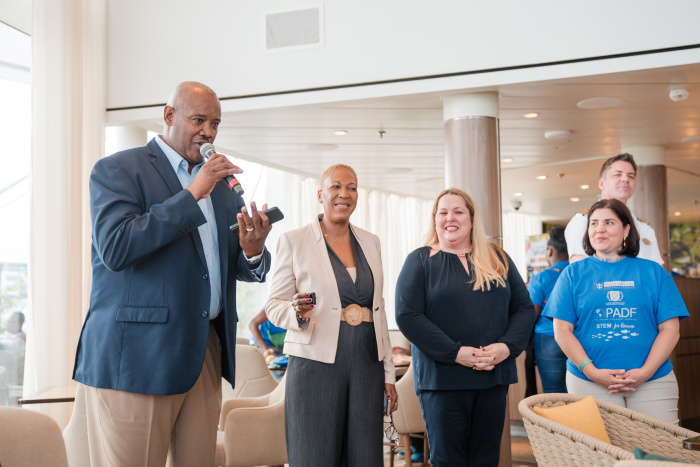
(616, 317)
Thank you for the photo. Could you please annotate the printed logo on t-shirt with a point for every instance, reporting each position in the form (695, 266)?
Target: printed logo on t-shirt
(614, 295)
(615, 312)
(610, 335)
(619, 284)
(613, 320)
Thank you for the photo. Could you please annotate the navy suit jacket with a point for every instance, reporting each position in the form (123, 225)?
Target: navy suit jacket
(147, 327)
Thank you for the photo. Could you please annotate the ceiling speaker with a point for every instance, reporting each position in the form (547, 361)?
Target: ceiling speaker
(293, 29)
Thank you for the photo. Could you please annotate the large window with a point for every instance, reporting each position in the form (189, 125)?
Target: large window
(15, 135)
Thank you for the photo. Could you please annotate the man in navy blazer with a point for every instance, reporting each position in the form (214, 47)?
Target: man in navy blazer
(161, 328)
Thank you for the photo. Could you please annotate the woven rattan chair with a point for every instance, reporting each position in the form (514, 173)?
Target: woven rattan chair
(640, 463)
(555, 445)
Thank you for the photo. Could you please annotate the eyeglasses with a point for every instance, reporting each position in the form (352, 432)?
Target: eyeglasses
(390, 432)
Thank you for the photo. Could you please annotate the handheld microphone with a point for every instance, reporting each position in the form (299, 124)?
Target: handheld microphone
(207, 150)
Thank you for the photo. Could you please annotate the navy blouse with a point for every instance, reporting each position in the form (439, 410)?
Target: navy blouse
(439, 312)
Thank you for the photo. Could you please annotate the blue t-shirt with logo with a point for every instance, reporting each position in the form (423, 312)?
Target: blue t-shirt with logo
(540, 288)
(616, 309)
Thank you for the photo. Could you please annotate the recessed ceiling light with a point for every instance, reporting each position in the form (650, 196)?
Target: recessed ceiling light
(531, 115)
(557, 134)
(575, 200)
(677, 213)
(691, 139)
(541, 177)
(584, 187)
(517, 194)
(507, 160)
(340, 132)
(600, 103)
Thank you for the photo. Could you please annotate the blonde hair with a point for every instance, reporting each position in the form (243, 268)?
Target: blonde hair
(334, 167)
(488, 267)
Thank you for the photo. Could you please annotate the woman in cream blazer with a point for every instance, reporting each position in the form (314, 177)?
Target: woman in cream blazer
(340, 355)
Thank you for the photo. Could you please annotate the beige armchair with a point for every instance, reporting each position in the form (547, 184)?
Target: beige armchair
(408, 418)
(397, 339)
(253, 377)
(30, 438)
(253, 430)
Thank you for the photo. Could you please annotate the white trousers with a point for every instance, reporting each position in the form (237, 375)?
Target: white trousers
(657, 398)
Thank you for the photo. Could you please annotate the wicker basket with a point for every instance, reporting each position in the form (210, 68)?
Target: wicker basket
(557, 445)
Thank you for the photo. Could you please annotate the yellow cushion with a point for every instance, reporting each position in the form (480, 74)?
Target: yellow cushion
(582, 416)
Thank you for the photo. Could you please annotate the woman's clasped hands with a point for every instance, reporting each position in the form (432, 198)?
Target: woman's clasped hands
(616, 380)
(483, 358)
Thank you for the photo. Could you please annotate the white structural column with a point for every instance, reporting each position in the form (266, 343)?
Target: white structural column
(472, 163)
(68, 113)
(650, 200)
(472, 159)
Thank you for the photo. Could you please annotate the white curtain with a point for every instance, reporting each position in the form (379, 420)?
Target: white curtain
(68, 109)
(517, 226)
(401, 223)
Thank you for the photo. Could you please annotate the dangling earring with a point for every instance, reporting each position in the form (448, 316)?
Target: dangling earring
(624, 243)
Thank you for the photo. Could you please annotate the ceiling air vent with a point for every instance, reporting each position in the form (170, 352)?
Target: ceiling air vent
(294, 29)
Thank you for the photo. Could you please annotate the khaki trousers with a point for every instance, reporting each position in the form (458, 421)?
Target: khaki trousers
(127, 429)
(657, 398)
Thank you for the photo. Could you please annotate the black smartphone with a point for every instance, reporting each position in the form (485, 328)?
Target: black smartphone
(273, 214)
(313, 298)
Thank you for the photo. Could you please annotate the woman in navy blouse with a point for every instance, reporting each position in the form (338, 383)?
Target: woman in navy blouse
(463, 305)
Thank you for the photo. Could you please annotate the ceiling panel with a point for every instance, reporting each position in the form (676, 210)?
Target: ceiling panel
(408, 157)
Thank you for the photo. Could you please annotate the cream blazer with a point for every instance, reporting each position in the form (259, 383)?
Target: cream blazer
(302, 264)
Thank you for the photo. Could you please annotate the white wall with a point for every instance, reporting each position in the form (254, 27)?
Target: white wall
(155, 44)
(17, 14)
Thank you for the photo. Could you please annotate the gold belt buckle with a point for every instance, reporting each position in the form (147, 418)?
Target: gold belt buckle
(354, 314)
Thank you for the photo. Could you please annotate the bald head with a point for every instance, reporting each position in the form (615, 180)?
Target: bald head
(182, 89)
(191, 118)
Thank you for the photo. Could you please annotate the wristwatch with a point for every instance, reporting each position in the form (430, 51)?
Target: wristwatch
(254, 259)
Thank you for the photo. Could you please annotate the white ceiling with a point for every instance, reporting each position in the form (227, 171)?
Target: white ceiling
(409, 158)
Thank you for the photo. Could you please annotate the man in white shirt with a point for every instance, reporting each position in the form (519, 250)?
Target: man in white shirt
(617, 180)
